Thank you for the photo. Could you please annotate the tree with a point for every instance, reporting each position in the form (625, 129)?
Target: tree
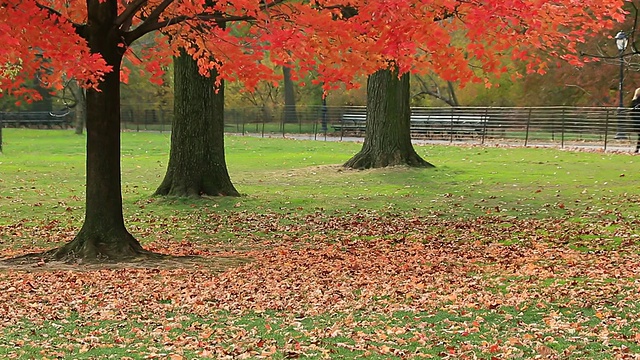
(491, 30)
(100, 43)
(595, 83)
(290, 114)
(197, 163)
(388, 139)
(87, 41)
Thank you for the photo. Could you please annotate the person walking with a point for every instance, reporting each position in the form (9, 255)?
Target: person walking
(635, 116)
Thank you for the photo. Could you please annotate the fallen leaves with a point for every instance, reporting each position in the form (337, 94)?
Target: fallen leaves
(338, 283)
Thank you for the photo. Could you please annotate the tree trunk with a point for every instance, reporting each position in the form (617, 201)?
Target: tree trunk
(80, 106)
(290, 114)
(1, 126)
(197, 163)
(103, 234)
(46, 103)
(387, 140)
(452, 94)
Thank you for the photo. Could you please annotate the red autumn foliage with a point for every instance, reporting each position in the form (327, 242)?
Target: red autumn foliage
(48, 37)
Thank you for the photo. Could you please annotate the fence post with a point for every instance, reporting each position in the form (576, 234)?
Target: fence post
(606, 130)
(325, 127)
(299, 124)
(315, 129)
(562, 123)
(526, 133)
(237, 121)
(553, 125)
(484, 125)
(137, 122)
(1, 122)
(130, 111)
(451, 126)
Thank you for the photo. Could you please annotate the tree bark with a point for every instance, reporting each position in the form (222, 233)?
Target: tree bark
(197, 163)
(387, 140)
(1, 126)
(103, 234)
(290, 113)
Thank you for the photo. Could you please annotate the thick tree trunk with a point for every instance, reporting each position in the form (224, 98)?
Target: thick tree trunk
(197, 163)
(387, 139)
(103, 234)
(290, 113)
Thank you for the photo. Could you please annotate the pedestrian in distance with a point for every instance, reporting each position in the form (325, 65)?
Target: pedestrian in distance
(635, 117)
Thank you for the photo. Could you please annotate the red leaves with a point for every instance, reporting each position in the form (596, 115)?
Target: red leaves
(42, 44)
(415, 36)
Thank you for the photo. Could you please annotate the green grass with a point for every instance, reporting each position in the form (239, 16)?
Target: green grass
(527, 252)
(42, 182)
(43, 175)
(396, 335)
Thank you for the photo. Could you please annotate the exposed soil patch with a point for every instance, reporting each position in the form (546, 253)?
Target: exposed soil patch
(37, 262)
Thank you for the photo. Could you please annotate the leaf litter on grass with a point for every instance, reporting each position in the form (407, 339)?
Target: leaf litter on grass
(350, 285)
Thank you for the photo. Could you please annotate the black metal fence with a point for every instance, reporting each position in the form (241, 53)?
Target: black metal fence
(602, 127)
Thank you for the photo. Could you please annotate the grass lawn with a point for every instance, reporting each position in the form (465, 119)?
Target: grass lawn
(496, 253)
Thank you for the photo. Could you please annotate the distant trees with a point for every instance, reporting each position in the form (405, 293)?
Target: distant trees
(290, 113)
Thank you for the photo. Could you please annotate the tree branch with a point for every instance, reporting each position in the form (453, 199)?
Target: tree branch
(78, 27)
(452, 101)
(149, 27)
(129, 12)
(633, 29)
(152, 23)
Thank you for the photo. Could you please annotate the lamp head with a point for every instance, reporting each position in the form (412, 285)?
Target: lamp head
(621, 40)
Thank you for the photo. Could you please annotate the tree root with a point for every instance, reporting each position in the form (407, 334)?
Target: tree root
(370, 160)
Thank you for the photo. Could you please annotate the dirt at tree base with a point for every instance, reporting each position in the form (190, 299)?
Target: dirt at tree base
(43, 261)
(371, 160)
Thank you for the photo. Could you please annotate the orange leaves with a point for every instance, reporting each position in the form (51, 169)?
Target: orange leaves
(361, 283)
(41, 44)
(318, 36)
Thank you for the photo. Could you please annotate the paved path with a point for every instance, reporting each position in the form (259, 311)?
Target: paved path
(612, 146)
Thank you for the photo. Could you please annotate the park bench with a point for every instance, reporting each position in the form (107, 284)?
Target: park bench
(435, 126)
(351, 123)
(424, 125)
(36, 119)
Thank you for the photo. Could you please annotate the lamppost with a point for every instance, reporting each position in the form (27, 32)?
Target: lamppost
(621, 43)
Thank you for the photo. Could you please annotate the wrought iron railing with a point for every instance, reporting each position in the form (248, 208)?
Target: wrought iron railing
(600, 127)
